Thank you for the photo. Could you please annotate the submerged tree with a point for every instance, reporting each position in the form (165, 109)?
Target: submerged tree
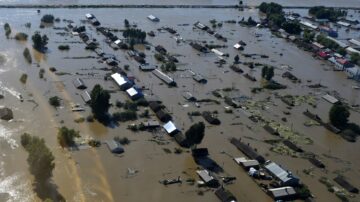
(195, 134)
(40, 159)
(99, 102)
(66, 136)
(339, 115)
(39, 42)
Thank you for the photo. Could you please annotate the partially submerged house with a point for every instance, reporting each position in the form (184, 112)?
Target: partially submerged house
(86, 97)
(121, 81)
(283, 193)
(199, 47)
(150, 124)
(247, 163)
(160, 49)
(111, 62)
(79, 84)
(207, 178)
(210, 118)
(188, 96)
(163, 116)
(165, 78)
(199, 78)
(217, 52)
(285, 177)
(153, 18)
(346, 185)
(247, 150)
(330, 99)
(114, 147)
(147, 67)
(134, 93)
(89, 16)
(225, 195)
(200, 26)
(155, 106)
(170, 128)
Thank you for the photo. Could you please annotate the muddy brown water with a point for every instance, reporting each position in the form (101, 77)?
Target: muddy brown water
(96, 174)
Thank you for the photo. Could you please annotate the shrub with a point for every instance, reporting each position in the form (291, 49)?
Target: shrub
(123, 140)
(23, 78)
(48, 18)
(54, 101)
(125, 116)
(27, 55)
(66, 136)
(41, 73)
(21, 36)
(64, 47)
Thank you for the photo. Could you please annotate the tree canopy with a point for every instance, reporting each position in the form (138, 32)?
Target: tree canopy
(331, 14)
(48, 18)
(66, 136)
(39, 42)
(339, 115)
(267, 73)
(40, 159)
(196, 133)
(136, 34)
(99, 102)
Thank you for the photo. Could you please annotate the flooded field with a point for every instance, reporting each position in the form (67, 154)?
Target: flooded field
(97, 175)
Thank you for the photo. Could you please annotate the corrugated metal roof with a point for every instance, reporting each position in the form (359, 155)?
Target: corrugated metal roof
(120, 80)
(132, 92)
(282, 192)
(279, 172)
(205, 175)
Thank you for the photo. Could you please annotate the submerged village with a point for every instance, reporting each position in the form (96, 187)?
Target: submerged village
(177, 103)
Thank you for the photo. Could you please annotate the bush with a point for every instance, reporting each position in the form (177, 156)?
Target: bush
(52, 69)
(21, 36)
(23, 78)
(27, 55)
(41, 73)
(123, 140)
(125, 116)
(54, 101)
(64, 47)
(66, 136)
(132, 106)
(90, 118)
(48, 18)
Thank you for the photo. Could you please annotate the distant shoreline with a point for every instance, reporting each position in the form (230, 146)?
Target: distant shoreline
(38, 6)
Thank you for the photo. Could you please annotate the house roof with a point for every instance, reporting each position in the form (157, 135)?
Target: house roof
(120, 80)
(330, 99)
(167, 79)
(170, 127)
(86, 96)
(282, 192)
(282, 174)
(114, 146)
(132, 92)
(205, 175)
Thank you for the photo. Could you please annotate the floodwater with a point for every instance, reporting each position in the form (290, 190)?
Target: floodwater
(343, 3)
(96, 174)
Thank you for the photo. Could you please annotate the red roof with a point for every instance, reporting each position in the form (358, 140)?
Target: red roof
(323, 54)
(342, 61)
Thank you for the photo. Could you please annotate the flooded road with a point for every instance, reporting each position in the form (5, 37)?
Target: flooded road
(96, 174)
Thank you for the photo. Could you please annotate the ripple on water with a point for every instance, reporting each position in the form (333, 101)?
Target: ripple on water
(14, 187)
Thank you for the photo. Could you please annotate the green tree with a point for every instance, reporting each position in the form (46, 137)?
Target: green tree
(39, 42)
(48, 18)
(195, 134)
(270, 73)
(7, 29)
(236, 59)
(264, 71)
(339, 115)
(126, 23)
(99, 102)
(40, 159)
(54, 101)
(292, 27)
(66, 136)
(355, 58)
(308, 35)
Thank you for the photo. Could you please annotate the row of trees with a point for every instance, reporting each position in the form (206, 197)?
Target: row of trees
(267, 73)
(331, 14)
(276, 19)
(7, 29)
(136, 34)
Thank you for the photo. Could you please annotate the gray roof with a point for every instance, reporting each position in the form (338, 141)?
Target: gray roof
(167, 79)
(86, 96)
(282, 192)
(205, 175)
(114, 147)
(280, 173)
